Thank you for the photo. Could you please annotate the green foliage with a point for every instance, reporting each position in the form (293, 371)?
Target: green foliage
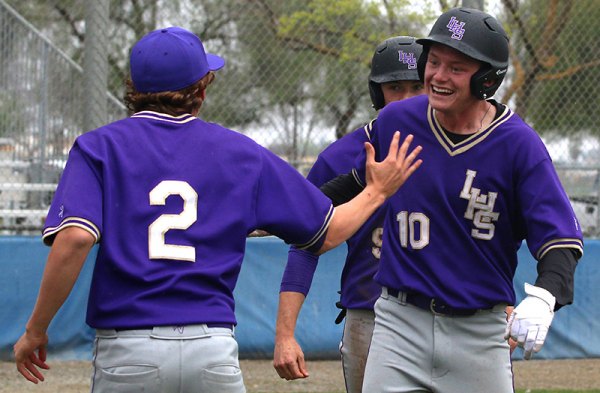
(339, 37)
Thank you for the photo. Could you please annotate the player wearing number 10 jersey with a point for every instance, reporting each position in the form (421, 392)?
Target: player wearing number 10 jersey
(492, 190)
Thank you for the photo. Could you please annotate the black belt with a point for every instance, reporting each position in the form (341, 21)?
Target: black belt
(210, 325)
(431, 304)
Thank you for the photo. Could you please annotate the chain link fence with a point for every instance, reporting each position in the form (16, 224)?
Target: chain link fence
(295, 79)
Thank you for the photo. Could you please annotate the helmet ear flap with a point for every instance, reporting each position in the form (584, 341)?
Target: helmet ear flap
(422, 62)
(376, 95)
(486, 81)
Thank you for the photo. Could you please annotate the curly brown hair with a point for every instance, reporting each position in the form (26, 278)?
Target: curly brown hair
(174, 103)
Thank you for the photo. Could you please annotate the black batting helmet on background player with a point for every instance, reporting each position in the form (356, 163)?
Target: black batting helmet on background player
(477, 35)
(394, 59)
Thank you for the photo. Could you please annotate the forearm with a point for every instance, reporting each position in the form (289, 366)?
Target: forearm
(65, 260)
(299, 271)
(290, 304)
(350, 216)
(556, 271)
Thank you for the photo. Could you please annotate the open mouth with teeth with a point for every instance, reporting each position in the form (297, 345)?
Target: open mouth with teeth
(441, 91)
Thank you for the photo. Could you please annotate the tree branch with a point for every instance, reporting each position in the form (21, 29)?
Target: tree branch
(72, 22)
(568, 72)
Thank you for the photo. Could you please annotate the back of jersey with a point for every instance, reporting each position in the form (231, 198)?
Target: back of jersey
(171, 200)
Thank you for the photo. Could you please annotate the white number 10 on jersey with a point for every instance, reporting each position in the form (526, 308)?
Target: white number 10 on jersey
(413, 229)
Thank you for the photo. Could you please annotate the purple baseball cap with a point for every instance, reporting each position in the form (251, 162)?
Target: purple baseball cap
(170, 59)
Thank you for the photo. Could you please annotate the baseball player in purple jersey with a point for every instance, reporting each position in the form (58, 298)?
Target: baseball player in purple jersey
(170, 199)
(452, 232)
(393, 77)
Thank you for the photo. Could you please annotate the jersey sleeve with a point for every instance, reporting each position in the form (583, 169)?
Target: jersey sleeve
(321, 172)
(77, 200)
(550, 220)
(359, 169)
(290, 207)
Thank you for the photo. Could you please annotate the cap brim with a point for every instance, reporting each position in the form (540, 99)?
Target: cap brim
(214, 62)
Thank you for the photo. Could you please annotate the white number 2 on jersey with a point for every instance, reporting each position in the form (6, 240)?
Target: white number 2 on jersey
(157, 248)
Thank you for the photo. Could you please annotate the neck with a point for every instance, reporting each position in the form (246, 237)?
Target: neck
(470, 121)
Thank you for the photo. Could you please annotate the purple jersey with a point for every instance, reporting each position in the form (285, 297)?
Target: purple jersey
(358, 288)
(453, 229)
(170, 201)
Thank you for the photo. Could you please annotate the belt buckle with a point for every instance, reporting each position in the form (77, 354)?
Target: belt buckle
(432, 308)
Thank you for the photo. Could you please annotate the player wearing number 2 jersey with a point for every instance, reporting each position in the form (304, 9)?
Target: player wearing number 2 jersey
(170, 199)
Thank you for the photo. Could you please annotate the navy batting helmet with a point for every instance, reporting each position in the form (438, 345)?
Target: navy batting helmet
(395, 59)
(478, 35)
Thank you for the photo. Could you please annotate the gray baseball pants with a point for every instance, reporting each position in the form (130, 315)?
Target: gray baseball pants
(167, 359)
(416, 351)
(354, 347)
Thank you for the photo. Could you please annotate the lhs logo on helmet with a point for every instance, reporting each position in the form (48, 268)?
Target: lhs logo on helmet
(408, 59)
(456, 28)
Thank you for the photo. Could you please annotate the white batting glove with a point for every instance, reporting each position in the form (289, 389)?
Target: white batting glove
(529, 322)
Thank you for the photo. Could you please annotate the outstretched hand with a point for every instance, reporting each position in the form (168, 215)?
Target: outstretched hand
(388, 175)
(26, 358)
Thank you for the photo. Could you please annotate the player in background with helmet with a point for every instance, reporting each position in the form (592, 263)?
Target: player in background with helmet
(452, 233)
(393, 77)
(170, 199)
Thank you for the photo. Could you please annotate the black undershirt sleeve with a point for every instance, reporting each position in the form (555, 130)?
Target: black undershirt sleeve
(341, 189)
(556, 271)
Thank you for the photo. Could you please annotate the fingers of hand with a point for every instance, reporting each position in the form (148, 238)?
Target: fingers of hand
(408, 163)
(302, 367)
(42, 355)
(534, 340)
(370, 150)
(30, 372)
(393, 152)
(290, 370)
(39, 361)
(508, 329)
(527, 335)
(401, 153)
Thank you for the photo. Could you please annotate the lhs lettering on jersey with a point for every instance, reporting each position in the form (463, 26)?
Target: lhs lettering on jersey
(480, 208)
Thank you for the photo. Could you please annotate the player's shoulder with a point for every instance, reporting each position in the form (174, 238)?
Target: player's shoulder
(350, 143)
(155, 127)
(513, 126)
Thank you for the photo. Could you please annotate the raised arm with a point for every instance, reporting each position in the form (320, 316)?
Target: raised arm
(383, 180)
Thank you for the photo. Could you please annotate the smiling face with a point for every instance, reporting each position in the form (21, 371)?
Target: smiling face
(447, 80)
(400, 90)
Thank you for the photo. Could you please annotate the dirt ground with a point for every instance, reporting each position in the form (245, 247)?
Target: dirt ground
(325, 376)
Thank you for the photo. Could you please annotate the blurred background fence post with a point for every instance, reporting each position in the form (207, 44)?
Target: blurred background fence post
(95, 65)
